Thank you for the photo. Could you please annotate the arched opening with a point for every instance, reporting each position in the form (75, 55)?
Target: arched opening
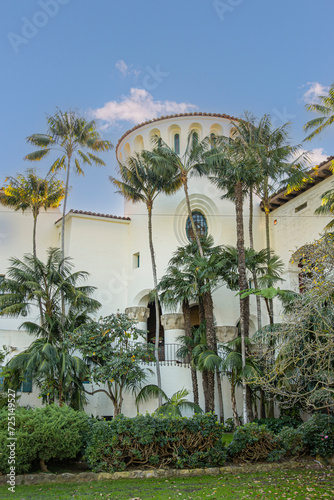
(201, 226)
(194, 316)
(127, 151)
(139, 143)
(151, 330)
(154, 133)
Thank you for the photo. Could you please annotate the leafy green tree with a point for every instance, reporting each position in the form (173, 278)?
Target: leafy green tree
(78, 142)
(173, 405)
(32, 192)
(31, 284)
(298, 353)
(115, 361)
(326, 109)
(140, 183)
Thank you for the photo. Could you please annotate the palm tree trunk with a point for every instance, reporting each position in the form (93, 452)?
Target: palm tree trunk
(156, 300)
(64, 207)
(190, 215)
(34, 236)
(244, 314)
(267, 212)
(251, 245)
(35, 256)
(220, 397)
(187, 327)
(212, 345)
(204, 372)
(234, 403)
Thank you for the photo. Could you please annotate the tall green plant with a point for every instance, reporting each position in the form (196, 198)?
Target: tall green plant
(141, 183)
(30, 283)
(78, 142)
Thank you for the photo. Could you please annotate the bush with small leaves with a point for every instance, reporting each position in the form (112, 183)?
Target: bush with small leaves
(251, 443)
(318, 435)
(155, 441)
(289, 444)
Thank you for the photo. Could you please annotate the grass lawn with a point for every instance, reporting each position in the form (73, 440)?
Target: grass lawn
(304, 484)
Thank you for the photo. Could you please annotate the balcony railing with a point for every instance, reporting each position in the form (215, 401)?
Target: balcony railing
(168, 355)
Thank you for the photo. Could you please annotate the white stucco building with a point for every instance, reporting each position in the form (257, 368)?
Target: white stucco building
(114, 250)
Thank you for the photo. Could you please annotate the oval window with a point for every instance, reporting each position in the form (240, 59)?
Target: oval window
(200, 224)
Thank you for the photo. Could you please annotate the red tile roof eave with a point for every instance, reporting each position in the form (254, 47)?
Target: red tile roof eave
(94, 214)
(285, 198)
(218, 115)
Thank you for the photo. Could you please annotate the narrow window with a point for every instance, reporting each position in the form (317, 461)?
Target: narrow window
(136, 260)
(177, 143)
(212, 140)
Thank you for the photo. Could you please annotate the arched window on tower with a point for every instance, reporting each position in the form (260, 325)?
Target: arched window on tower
(201, 226)
(177, 143)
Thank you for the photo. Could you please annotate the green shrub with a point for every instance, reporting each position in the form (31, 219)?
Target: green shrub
(155, 441)
(42, 433)
(275, 425)
(289, 444)
(251, 443)
(318, 435)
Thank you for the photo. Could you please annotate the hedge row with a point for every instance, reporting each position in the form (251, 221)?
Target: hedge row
(152, 441)
(146, 441)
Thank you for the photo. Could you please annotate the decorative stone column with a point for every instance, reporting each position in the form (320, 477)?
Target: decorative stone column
(139, 314)
(173, 324)
(226, 333)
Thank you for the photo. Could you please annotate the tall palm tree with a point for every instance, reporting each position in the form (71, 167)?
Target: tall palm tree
(77, 140)
(173, 405)
(140, 183)
(32, 192)
(233, 170)
(277, 162)
(324, 108)
(29, 283)
(166, 159)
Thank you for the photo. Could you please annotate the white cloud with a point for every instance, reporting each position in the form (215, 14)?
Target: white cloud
(315, 156)
(126, 70)
(122, 67)
(138, 107)
(311, 96)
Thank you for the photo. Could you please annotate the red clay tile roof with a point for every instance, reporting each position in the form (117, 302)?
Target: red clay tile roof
(107, 216)
(318, 175)
(218, 115)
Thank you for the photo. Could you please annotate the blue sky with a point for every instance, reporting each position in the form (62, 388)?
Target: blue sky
(127, 61)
